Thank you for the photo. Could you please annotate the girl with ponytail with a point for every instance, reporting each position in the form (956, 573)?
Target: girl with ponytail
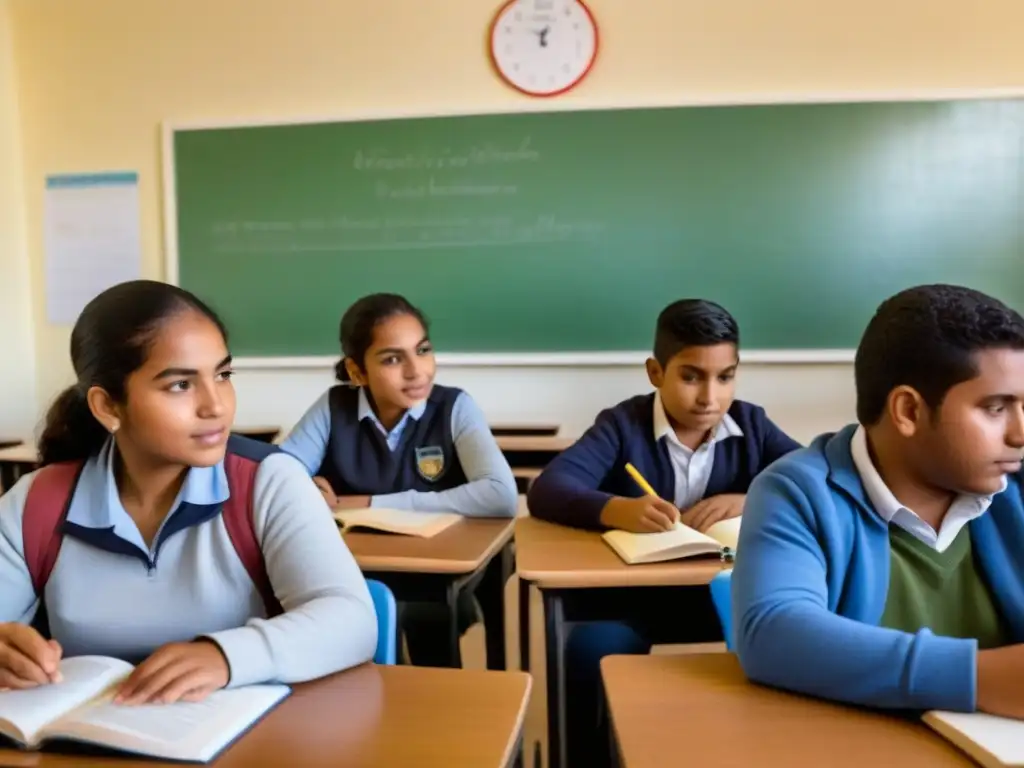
(388, 436)
(148, 566)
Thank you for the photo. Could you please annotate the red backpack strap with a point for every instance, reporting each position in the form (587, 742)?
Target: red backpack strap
(238, 519)
(46, 506)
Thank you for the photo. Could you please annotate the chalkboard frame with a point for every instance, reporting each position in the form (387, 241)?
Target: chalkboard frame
(611, 358)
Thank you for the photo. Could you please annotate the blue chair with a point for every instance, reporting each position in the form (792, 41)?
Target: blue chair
(387, 622)
(721, 596)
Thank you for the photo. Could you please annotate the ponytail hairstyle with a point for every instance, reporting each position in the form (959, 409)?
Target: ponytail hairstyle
(359, 322)
(110, 341)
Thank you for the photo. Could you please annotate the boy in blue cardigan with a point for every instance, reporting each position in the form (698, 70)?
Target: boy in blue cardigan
(696, 445)
(884, 564)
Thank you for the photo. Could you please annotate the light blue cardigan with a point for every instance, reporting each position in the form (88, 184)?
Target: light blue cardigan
(810, 584)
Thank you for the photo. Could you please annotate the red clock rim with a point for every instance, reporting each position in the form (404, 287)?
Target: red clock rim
(542, 94)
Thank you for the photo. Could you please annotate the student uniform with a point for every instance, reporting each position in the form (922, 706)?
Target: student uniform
(575, 487)
(831, 559)
(440, 456)
(109, 593)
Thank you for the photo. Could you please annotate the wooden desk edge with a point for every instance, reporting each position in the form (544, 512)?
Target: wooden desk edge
(628, 577)
(514, 736)
(398, 564)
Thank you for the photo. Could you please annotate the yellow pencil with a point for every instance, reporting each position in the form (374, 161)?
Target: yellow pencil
(644, 485)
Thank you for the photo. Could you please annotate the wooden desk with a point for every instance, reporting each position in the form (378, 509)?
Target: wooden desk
(524, 430)
(718, 719)
(580, 578)
(533, 451)
(370, 717)
(15, 462)
(475, 552)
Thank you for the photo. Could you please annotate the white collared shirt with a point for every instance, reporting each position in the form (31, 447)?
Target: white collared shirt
(965, 507)
(692, 467)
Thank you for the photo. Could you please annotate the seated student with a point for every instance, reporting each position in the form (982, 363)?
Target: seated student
(138, 476)
(389, 437)
(884, 564)
(697, 447)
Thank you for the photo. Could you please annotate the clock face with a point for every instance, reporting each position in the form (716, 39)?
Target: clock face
(543, 47)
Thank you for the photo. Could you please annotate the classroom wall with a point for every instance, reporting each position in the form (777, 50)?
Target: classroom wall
(97, 79)
(17, 344)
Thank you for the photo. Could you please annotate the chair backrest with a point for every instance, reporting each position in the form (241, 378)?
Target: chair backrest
(721, 596)
(387, 623)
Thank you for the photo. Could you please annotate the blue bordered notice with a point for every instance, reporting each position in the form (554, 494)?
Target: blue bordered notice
(92, 238)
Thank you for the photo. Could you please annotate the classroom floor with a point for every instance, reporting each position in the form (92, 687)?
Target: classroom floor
(473, 657)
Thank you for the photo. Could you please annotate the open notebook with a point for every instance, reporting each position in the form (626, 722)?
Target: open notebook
(995, 742)
(80, 709)
(682, 541)
(402, 521)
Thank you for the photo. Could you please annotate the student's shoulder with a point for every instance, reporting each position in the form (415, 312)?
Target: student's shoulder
(801, 478)
(634, 413)
(750, 417)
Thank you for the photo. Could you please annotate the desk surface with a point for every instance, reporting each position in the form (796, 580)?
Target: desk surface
(25, 453)
(534, 443)
(462, 548)
(556, 557)
(717, 718)
(368, 717)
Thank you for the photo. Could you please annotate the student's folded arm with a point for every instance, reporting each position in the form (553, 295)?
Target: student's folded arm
(308, 439)
(329, 623)
(787, 637)
(776, 443)
(566, 492)
(490, 490)
(17, 596)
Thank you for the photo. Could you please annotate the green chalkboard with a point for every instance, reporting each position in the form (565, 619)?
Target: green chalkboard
(568, 231)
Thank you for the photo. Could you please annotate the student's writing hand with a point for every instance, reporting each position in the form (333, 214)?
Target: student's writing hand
(648, 514)
(176, 672)
(327, 491)
(713, 509)
(1000, 681)
(27, 659)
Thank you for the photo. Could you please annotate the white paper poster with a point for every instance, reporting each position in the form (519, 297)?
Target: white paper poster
(92, 238)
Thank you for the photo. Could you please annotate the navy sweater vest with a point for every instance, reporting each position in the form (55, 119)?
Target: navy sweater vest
(576, 485)
(359, 462)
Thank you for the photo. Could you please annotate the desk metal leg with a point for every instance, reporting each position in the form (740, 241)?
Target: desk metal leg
(454, 648)
(524, 625)
(554, 625)
(491, 594)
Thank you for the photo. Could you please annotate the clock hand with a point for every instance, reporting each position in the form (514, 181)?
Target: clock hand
(544, 37)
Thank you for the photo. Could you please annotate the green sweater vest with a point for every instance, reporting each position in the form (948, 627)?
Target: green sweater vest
(943, 591)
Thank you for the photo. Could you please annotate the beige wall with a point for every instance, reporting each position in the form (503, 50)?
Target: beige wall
(97, 78)
(17, 350)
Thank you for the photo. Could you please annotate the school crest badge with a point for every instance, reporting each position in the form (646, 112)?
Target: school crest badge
(430, 462)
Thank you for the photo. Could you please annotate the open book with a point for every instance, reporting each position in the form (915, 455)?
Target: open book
(682, 541)
(995, 742)
(81, 709)
(403, 521)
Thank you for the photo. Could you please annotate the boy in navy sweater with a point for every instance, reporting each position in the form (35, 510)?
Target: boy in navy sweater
(697, 447)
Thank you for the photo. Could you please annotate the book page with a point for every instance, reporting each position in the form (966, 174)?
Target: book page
(726, 532)
(404, 521)
(181, 731)
(992, 741)
(651, 547)
(85, 677)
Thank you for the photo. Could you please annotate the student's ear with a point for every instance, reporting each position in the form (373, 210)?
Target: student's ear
(354, 374)
(104, 409)
(907, 409)
(655, 373)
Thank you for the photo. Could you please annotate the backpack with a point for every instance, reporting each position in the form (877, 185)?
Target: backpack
(49, 498)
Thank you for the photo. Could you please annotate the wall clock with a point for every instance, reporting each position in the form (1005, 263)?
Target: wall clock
(543, 47)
